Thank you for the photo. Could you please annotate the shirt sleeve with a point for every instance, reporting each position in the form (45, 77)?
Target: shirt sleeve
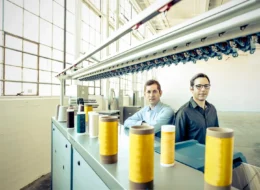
(135, 119)
(180, 124)
(217, 124)
(165, 117)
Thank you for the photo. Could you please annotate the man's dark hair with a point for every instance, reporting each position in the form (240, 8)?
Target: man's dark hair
(151, 82)
(199, 75)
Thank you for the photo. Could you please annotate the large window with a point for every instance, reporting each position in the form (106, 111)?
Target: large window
(36, 42)
(32, 45)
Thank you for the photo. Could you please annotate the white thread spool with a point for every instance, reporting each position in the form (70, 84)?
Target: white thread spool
(62, 116)
(93, 124)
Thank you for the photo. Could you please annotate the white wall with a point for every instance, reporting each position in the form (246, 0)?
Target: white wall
(25, 140)
(235, 82)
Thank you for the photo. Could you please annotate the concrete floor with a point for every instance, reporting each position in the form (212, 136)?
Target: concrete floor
(247, 141)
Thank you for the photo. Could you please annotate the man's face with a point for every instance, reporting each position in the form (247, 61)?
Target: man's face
(152, 94)
(200, 90)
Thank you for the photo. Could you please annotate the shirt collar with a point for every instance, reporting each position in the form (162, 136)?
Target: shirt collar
(194, 104)
(156, 108)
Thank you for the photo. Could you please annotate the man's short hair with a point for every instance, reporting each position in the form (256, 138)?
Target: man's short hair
(199, 75)
(151, 82)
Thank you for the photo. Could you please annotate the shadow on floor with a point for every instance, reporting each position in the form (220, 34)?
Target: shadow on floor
(43, 183)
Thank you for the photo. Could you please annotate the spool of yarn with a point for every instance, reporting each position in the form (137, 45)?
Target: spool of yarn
(93, 124)
(81, 108)
(81, 124)
(167, 145)
(108, 138)
(70, 118)
(141, 168)
(62, 117)
(57, 111)
(218, 158)
(87, 108)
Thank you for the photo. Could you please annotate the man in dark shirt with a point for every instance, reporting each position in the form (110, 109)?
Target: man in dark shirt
(194, 117)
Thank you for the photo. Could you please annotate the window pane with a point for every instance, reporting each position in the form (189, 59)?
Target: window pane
(12, 88)
(16, 24)
(13, 42)
(69, 43)
(13, 57)
(17, 2)
(90, 90)
(70, 22)
(1, 55)
(57, 66)
(85, 13)
(44, 90)
(45, 32)
(45, 51)
(45, 7)
(91, 83)
(97, 83)
(29, 61)
(69, 58)
(13, 73)
(54, 79)
(45, 77)
(58, 15)
(45, 64)
(31, 26)
(30, 75)
(30, 47)
(1, 71)
(58, 55)
(29, 89)
(97, 91)
(71, 5)
(57, 38)
(55, 90)
(85, 32)
(32, 6)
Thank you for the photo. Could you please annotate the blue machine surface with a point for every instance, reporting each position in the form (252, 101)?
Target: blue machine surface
(192, 153)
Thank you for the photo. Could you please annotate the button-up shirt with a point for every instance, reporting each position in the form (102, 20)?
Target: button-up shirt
(192, 121)
(161, 114)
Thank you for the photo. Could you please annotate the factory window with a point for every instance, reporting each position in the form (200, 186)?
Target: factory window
(94, 87)
(32, 46)
(91, 30)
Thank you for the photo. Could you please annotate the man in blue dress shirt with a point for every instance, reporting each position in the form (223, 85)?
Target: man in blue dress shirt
(156, 114)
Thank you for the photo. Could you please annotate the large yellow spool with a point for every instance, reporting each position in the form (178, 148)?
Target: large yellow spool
(218, 158)
(108, 139)
(141, 163)
(167, 145)
(87, 108)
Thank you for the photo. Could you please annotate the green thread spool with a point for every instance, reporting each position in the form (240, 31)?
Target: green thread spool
(81, 124)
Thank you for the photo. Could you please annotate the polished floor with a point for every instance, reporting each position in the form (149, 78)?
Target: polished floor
(247, 141)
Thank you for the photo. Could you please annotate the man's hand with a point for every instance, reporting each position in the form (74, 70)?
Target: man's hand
(145, 124)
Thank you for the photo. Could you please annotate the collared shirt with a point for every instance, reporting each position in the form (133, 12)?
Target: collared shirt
(191, 121)
(161, 114)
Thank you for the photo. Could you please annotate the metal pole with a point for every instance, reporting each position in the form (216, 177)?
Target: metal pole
(62, 92)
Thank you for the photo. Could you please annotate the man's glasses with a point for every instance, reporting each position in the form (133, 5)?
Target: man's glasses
(200, 86)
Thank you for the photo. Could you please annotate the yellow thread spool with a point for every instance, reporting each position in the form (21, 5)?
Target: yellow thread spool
(108, 139)
(87, 108)
(218, 158)
(167, 145)
(141, 163)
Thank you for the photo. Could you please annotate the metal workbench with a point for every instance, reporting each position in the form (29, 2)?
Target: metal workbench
(115, 176)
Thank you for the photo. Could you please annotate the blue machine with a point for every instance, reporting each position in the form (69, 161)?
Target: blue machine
(192, 153)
